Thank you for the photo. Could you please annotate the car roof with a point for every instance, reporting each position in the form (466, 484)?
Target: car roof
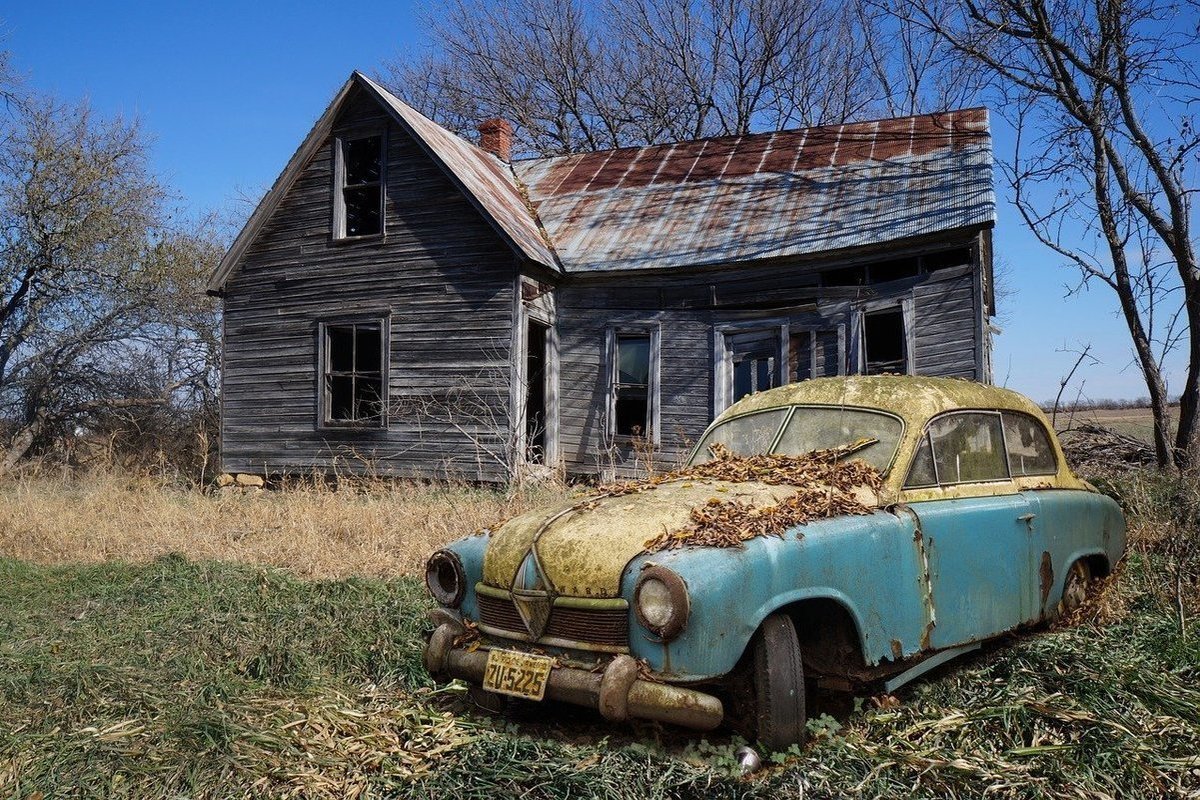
(913, 398)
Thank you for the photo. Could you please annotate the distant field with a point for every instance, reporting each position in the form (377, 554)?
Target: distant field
(1136, 422)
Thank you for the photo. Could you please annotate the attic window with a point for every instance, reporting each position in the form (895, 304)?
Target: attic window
(359, 200)
(353, 373)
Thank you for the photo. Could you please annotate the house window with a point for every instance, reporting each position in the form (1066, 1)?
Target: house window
(353, 373)
(753, 372)
(885, 342)
(751, 362)
(633, 389)
(815, 354)
(360, 187)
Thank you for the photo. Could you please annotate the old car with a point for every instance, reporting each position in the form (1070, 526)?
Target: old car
(965, 523)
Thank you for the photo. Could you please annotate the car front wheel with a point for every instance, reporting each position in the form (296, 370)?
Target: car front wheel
(779, 684)
(1075, 587)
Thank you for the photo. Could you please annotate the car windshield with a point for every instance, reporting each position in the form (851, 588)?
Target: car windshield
(810, 428)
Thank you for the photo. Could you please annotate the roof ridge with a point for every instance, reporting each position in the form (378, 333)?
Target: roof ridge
(717, 137)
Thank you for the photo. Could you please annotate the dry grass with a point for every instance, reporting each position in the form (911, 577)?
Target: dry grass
(378, 529)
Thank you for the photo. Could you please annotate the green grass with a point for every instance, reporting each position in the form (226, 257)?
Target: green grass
(178, 678)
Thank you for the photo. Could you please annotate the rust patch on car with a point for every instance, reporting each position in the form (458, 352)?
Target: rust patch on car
(897, 649)
(1046, 576)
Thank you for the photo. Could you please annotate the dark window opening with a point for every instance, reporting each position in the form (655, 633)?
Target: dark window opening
(632, 386)
(894, 270)
(536, 343)
(948, 258)
(884, 342)
(354, 374)
(847, 276)
(362, 186)
(754, 372)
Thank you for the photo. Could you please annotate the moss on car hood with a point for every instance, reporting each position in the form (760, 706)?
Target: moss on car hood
(583, 547)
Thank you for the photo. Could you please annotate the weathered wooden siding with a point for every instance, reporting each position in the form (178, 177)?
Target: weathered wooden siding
(442, 276)
(689, 310)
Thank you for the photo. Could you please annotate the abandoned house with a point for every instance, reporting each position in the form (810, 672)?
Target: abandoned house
(410, 302)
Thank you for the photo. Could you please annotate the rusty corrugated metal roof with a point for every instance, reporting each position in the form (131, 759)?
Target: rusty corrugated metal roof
(486, 178)
(789, 193)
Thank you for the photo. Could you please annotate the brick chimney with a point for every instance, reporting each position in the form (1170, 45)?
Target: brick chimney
(496, 136)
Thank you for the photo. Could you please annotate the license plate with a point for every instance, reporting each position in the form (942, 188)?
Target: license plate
(517, 674)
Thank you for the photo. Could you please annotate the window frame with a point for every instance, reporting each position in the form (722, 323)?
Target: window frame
(1050, 439)
(723, 365)
(324, 372)
(341, 141)
(905, 486)
(653, 407)
(906, 305)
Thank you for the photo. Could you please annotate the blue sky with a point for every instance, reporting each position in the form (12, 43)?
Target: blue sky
(228, 90)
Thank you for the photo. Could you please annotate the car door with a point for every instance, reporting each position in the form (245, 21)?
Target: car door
(978, 530)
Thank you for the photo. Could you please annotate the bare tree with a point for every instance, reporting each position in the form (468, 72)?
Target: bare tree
(575, 76)
(100, 302)
(1103, 96)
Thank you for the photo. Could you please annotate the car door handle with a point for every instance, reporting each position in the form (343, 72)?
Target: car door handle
(1026, 518)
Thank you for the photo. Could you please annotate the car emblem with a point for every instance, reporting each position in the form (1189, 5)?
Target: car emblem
(531, 596)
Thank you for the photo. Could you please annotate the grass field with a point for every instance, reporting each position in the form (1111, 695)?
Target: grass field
(1135, 422)
(155, 675)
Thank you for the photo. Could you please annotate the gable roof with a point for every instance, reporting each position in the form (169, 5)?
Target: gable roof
(484, 179)
(720, 200)
(789, 193)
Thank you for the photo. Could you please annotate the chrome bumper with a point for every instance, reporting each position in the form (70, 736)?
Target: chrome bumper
(617, 692)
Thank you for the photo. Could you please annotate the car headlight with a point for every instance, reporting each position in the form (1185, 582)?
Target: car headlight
(661, 602)
(445, 578)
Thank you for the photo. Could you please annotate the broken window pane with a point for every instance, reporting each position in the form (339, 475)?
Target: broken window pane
(362, 160)
(968, 448)
(362, 190)
(341, 397)
(632, 411)
(884, 341)
(368, 398)
(340, 346)
(362, 210)
(1029, 450)
(367, 348)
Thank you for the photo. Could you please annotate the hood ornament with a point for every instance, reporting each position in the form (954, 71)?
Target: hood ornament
(531, 595)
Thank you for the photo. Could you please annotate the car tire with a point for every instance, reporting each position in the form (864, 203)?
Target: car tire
(780, 709)
(1075, 587)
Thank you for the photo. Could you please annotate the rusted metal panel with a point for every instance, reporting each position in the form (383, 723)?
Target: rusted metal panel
(788, 193)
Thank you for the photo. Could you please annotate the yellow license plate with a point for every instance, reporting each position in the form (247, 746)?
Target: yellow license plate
(517, 674)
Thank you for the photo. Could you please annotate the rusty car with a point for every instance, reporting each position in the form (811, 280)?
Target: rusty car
(962, 522)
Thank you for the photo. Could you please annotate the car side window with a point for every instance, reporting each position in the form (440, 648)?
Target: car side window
(1029, 450)
(922, 473)
(960, 448)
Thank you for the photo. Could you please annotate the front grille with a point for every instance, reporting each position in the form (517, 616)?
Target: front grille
(606, 626)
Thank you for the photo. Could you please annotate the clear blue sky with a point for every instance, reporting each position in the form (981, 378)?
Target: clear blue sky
(228, 90)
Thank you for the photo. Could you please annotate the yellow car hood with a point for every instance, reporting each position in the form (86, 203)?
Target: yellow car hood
(583, 546)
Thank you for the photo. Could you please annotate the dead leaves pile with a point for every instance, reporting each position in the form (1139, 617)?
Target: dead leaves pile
(825, 483)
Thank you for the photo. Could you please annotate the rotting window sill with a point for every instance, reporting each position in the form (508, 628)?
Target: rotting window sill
(343, 241)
